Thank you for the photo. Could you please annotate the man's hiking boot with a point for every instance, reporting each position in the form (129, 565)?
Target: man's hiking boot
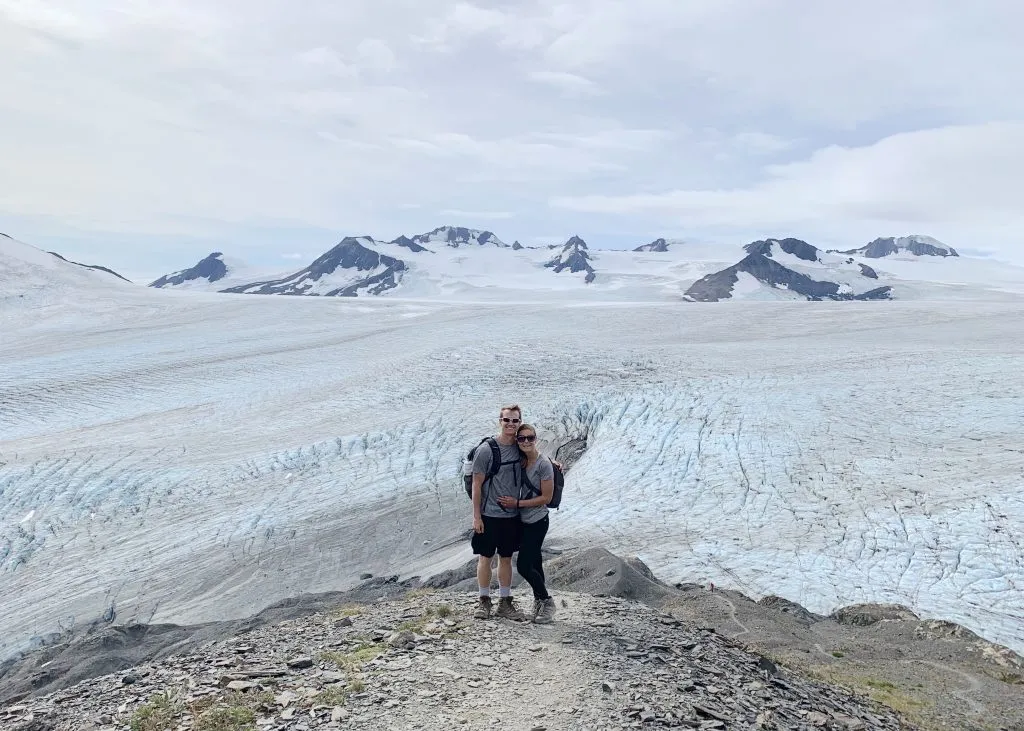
(483, 608)
(507, 609)
(545, 611)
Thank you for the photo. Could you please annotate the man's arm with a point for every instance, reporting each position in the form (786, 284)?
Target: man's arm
(478, 491)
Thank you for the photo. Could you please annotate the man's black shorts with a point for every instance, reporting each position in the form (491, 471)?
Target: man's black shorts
(500, 534)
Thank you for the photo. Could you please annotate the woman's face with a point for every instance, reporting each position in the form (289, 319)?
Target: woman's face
(527, 440)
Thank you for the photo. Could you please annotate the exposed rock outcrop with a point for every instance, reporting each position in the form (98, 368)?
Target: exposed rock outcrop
(574, 257)
(916, 245)
(211, 268)
(351, 267)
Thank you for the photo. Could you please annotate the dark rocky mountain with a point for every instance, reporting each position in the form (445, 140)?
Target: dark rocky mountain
(347, 270)
(212, 269)
(659, 245)
(761, 264)
(796, 247)
(408, 243)
(456, 236)
(575, 257)
(916, 245)
(95, 267)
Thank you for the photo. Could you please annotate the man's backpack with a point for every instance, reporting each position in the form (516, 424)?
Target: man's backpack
(467, 465)
(556, 493)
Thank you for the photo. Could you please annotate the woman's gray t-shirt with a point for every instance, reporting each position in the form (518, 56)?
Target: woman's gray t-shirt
(539, 470)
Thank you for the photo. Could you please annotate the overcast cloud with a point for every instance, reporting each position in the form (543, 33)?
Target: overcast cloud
(143, 135)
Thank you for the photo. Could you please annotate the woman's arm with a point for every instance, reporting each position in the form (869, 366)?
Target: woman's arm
(547, 489)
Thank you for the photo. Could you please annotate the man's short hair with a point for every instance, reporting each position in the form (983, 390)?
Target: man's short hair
(512, 407)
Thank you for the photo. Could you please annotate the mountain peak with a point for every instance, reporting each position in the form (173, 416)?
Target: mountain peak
(659, 245)
(917, 244)
(575, 257)
(456, 236)
(210, 268)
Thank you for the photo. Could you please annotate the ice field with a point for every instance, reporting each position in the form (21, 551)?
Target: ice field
(170, 456)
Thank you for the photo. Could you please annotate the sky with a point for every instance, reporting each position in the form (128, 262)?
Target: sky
(143, 135)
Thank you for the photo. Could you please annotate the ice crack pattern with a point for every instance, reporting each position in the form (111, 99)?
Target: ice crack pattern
(213, 457)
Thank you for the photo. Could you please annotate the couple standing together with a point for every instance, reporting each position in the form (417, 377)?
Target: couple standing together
(510, 514)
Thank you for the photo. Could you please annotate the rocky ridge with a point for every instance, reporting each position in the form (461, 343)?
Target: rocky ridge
(824, 276)
(420, 662)
(916, 245)
(574, 257)
(626, 651)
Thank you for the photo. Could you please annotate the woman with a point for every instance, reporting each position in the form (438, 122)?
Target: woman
(538, 486)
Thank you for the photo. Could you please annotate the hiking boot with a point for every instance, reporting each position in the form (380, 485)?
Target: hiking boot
(536, 608)
(545, 612)
(507, 609)
(483, 608)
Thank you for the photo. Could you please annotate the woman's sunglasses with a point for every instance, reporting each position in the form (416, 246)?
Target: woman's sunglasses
(526, 438)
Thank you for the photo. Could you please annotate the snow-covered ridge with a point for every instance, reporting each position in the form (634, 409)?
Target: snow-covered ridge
(456, 236)
(352, 267)
(787, 269)
(31, 277)
(916, 245)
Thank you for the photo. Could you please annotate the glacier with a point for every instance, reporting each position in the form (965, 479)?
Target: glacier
(184, 457)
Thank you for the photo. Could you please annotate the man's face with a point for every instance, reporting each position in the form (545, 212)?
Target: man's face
(509, 422)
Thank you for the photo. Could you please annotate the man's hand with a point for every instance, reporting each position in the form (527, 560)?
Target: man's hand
(507, 502)
(478, 525)
(558, 465)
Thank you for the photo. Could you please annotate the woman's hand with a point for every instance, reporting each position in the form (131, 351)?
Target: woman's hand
(506, 501)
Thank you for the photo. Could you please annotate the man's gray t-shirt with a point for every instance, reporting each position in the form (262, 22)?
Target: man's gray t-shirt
(542, 469)
(507, 482)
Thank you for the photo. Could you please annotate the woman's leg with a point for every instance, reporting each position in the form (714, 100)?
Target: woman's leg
(530, 564)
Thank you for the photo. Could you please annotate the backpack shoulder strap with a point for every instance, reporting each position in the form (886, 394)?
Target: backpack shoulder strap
(495, 456)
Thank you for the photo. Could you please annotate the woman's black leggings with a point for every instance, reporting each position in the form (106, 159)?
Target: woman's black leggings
(530, 564)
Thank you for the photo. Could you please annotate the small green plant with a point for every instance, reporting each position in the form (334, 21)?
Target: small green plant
(227, 718)
(838, 653)
(354, 659)
(880, 684)
(156, 714)
(444, 611)
(412, 625)
(420, 592)
(1012, 678)
(357, 685)
(332, 696)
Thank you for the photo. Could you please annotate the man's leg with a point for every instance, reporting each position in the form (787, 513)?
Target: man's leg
(504, 576)
(483, 574)
(483, 546)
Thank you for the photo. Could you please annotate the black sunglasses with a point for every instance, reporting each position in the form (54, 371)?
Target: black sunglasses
(526, 438)
(510, 421)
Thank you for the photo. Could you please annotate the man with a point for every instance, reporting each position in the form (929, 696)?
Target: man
(496, 529)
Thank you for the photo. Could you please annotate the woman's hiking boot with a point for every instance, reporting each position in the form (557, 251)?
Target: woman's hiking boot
(545, 611)
(507, 609)
(483, 608)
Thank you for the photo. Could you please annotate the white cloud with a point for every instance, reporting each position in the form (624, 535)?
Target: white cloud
(957, 178)
(197, 118)
(478, 215)
(293, 256)
(571, 84)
